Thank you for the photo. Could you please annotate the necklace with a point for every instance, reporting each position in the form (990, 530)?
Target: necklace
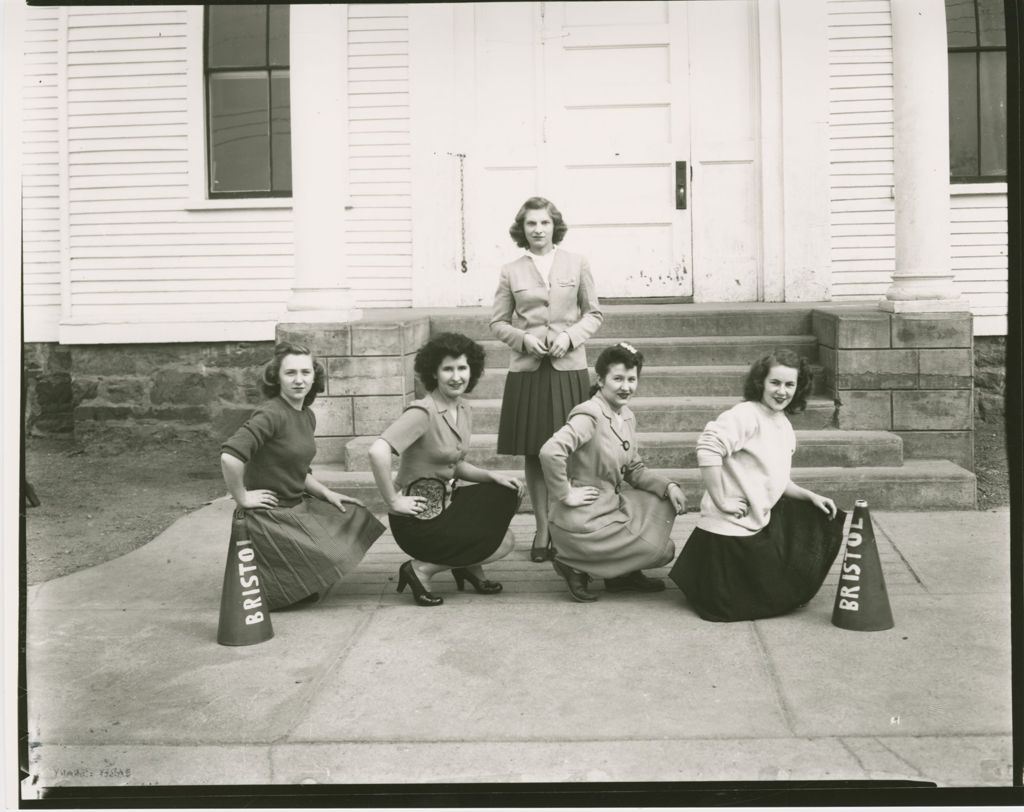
(625, 443)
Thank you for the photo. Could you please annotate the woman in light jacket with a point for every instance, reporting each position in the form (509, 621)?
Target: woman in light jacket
(600, 528)
(545, 308)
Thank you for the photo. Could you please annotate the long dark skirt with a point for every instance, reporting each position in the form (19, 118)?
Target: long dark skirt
(774, 571)
(536, 404)
(468, 532)
(307, 548)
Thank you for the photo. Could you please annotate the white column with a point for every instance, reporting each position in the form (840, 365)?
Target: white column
(923, 280)
(319, 116)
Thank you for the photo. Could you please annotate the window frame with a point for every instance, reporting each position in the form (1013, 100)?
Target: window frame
(977, 49)
(195, 94)
(269, 69)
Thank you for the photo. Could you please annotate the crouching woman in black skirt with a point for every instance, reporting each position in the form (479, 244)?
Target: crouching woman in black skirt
(305, 536)
(443, 527)
(763, 545)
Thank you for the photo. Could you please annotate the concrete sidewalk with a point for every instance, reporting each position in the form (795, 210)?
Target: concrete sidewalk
(127, 685)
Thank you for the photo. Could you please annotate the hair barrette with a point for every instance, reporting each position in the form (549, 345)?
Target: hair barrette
(627, 346)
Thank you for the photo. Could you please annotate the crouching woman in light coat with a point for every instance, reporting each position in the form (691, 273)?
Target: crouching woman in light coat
(600, 528)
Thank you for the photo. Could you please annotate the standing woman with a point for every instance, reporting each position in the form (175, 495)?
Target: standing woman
(598, 527)
(440, 526)
(763, 545)
(545, 308)
(305, 536)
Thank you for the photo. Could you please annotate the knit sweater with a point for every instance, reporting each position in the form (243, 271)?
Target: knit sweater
(754, 447)
(276, 444)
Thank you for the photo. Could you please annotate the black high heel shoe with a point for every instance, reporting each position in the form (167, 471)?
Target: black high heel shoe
(538, 554)
(407, 575)
(483, 587)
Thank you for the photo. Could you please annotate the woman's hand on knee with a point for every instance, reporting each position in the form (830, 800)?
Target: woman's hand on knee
(505, 481)
(824, 504)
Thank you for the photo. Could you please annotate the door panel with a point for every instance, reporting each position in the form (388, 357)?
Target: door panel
(726, 175)
(617, 121)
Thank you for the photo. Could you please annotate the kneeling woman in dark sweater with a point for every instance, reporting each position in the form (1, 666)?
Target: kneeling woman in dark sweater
(306, 536)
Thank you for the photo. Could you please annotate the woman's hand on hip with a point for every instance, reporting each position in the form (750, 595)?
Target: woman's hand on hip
(534, 346)
(560, 346)
(260, 498)
(577, 497)
(734, 506)
(407, 505)
(509, 482)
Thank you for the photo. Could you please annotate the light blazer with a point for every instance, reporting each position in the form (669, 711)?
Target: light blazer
(588, 450)
(522, 304)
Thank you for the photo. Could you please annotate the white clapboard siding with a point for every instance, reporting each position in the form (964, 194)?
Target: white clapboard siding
(978, 252)
(137, 252)
(40, 231)
(861, 147)
(378, 229)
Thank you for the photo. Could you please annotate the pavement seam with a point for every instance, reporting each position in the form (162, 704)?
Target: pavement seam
(903, 558)
(773, 677)
(913, 767)
(853, 753)
(318, 683)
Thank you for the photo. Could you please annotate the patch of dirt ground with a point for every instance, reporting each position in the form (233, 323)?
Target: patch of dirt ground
(990, 464)
(102, 500)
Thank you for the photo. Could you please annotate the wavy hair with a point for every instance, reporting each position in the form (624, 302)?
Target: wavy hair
(535, 203)
(270, 380)
(448, 345)
(753, 386)
(621, 353)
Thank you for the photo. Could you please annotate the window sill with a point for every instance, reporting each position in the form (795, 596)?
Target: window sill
(994, 188)
(241, 203)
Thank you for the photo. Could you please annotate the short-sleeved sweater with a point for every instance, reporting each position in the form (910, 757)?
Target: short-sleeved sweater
(276, 444)
(754, 446)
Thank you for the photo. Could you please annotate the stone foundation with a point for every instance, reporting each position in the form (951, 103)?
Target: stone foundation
(370, 376)
(911, 374)
(143, 390)
(48, 398)
(990, 377)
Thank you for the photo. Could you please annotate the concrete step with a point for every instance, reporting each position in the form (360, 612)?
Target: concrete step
(658, 381)
(687, 350)
(652, 321)
(814, 449)
(671, 413)
(916, 485)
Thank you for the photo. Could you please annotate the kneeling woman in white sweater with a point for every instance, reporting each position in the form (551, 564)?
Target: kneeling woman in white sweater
(763, 545)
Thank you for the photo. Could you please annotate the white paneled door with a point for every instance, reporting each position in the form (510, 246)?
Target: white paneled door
(591, 105)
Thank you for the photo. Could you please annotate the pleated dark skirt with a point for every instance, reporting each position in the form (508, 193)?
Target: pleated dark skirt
(778, 569)
(468, 532)
(536, 404)
(304, 549)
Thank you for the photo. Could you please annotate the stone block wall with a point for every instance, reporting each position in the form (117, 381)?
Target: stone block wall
(370, 376)
(209, 388)
(47, 379)
(990, 377)
(912, 374)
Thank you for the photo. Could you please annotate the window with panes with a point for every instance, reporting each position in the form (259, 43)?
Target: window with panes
(976, 40)
(248, 118)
